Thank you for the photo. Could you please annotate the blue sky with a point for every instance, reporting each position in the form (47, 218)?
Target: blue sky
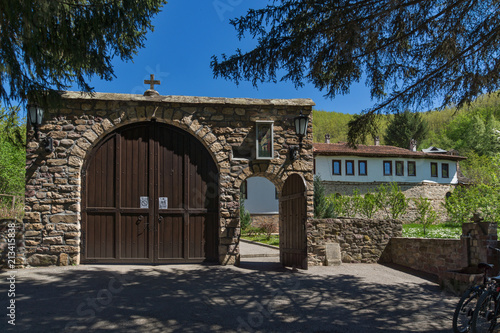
(187, 33)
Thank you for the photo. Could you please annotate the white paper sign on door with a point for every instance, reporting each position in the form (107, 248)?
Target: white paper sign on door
(163, 203)
(144, 202)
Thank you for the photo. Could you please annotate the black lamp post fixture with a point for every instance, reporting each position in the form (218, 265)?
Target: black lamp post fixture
(35, 115)
(300, 122)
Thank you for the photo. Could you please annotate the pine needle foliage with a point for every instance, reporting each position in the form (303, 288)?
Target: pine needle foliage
(411, 53)
(47, 46)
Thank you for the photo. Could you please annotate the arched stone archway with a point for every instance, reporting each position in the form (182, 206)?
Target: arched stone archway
(221, 126)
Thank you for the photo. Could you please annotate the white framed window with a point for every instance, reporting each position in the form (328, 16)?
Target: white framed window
(264, 140)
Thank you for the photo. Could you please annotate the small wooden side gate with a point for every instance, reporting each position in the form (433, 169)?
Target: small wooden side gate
(293, 216)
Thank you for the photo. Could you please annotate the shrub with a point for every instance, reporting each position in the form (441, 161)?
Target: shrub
(323, 208)
(391, 200)
(245, 218)
(268, 228)
(397, 201)
(425, 213)
(368, 205)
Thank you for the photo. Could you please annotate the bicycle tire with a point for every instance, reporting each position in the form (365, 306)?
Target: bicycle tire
(484, 317)
(462, 318)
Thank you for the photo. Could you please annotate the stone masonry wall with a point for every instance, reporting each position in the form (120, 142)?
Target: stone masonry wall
(436, 193)
(434, 256)
(11, 244)
(361, 240)
(259, 219)
(225, 126)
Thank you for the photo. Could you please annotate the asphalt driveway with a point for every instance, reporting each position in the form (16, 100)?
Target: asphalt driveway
(259, 296)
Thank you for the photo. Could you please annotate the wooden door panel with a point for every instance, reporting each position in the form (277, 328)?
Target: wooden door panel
(101, 176)
(196, 229)
(134, 237)
(100, 236)
(170, 237)
(171, 167)
(134, 167)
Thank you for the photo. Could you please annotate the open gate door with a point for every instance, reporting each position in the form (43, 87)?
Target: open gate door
(293, 216)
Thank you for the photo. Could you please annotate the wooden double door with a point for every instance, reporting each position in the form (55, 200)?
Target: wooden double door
(151, 195)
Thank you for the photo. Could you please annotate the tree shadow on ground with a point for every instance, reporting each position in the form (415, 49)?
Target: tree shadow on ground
(199, 298)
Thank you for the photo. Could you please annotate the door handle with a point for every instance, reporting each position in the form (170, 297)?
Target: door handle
(160, 219)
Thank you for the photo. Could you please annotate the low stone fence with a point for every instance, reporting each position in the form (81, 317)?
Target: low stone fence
(435, 256)
(361, 240)
(11, 244)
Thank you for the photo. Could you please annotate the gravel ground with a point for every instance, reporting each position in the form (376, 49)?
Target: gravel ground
(258, 296)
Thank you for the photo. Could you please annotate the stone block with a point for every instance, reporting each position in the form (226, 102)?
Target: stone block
(53, 240)
(42, 260)
(66, 218)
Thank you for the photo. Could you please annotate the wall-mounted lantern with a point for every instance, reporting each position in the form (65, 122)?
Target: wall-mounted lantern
(300, 124)
(35, 117)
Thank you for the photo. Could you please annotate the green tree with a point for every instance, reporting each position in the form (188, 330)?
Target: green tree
(411, 53)
(405, 126)
(323, 208)
(12, 153)
(51, 44)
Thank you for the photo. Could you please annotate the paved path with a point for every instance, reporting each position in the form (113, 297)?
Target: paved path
(254, 250)
(258, 296)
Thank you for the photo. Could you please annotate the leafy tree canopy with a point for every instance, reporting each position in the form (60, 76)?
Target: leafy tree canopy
(12, 152)
(52, 44)
(411, 52)
(405, 126)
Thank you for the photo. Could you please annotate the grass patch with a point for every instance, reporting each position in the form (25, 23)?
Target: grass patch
(273, 240)
(442, 230)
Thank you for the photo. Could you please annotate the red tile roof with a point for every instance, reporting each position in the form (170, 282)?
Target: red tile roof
(337, 149)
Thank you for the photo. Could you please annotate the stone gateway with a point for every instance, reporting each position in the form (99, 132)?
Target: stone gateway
(156, 179)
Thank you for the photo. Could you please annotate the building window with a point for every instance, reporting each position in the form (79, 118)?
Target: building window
(349, 168)
(336, 167)
(276, 194)
(434, 169)
(244, 190)
(445, 171)
(265, 146)
(412, 170)
(362, 168)
(400, 168)
(314, 166)
(387, 168)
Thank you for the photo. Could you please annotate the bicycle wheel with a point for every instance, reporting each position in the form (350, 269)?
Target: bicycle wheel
(462, 317)
(484, 317)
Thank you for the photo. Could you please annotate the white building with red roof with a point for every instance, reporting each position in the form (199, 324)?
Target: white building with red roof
(431, 173)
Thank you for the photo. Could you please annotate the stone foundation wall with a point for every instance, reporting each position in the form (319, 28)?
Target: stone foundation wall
(259, 219)
(434, 256)
(225, 126)
(361, 240)
(12, 244)
(436, 193)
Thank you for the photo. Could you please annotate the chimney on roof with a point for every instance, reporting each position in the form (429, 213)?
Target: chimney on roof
(376, 140)
(327, 138)
(413, 145)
